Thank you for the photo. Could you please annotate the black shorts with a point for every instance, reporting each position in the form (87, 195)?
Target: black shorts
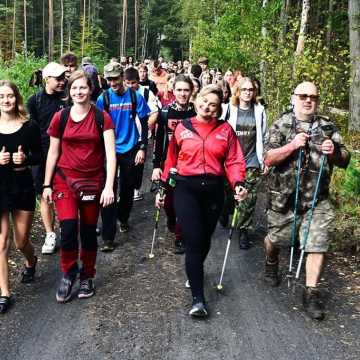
(19, 194)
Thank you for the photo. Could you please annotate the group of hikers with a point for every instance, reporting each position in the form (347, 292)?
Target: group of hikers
(81, 143)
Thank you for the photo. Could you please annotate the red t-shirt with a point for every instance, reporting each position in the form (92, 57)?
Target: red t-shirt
(82, 149)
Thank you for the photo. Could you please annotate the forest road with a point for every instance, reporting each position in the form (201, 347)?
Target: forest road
(140, 310)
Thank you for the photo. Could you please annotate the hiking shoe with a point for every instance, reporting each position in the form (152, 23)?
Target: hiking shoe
(271, 276)
(63, 293)
(28, 274)
(108, 246)
(86, 289)
(244, 242)
(179, 247)
(137, 195)
(124, 227)
(312, 303)
(187, 284)
(199, 309)
(49, 244)
(5, 302)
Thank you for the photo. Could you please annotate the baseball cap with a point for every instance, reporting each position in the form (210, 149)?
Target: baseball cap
(86, 60)
(113, 69)
(203, 60)
(53, 69)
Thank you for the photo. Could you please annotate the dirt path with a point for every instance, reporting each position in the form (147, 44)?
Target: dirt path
(140, 310)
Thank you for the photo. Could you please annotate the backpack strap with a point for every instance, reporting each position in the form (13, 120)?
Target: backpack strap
(64, 116)
(146, 94)
(133, 103)
(188, 125)
(227, 115)
(106, 101)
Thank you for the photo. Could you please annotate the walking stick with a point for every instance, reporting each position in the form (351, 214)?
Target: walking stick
(157, 217)
(310, 216)
(293, 230)
(219, 287)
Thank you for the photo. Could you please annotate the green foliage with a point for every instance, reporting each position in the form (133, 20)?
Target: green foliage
(352, 179)
(20, 70)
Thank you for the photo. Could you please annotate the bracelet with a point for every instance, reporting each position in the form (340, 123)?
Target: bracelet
(46, 187)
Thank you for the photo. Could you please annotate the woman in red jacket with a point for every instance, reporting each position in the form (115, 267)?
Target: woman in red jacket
(203, 150)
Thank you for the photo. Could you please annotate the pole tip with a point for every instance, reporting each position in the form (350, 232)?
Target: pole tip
(151, 256)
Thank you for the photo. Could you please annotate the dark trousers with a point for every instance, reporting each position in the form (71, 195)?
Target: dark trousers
(126, 182)
(198, 205)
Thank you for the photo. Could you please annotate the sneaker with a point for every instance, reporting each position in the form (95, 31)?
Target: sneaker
(49, 244)
(199, 309)
(271, 276)
(87, 289)
(28, 274)
(108, 246)
(179, 247)
(187, 284)
(63, 293)
(5, 302)
(124, 227)
(312, 303)
(137, 195)
(244, 243)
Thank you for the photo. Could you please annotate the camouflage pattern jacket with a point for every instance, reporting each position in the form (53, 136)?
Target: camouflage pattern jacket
(282, 178)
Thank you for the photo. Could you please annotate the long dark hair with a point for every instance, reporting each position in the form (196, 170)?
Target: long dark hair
(20, 111)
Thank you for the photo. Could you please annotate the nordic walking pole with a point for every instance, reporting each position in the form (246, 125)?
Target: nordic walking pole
(293, 230)
(310, 216)
(219, 287)
(157, 217)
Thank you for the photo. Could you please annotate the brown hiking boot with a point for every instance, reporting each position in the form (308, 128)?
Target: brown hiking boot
(312, 303)
(271, 276)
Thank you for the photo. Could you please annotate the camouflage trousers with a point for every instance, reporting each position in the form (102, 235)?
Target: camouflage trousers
(321, 228)
(246, 207)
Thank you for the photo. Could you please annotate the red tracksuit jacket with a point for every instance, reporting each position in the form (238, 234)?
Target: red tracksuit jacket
(217, 153)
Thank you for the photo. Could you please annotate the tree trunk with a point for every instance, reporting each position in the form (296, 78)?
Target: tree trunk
(83, 29)
(25, 30)
(264, 34)
(62, 28)
(329, 23)
(43, 27)
(354, 28)
(136, 28)
(14, 32)
(284, 19)
(123, 29)
(303, 27)
(51, 30)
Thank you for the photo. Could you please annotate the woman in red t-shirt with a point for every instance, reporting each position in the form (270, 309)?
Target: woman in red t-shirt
(75, 180)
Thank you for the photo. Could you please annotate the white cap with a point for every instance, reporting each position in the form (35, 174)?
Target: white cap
(53, 69)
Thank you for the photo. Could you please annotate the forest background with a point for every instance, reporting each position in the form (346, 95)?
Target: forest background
(281, 42)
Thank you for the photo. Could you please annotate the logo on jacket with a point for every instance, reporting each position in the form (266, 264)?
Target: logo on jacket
(186, 134)
(220, 137)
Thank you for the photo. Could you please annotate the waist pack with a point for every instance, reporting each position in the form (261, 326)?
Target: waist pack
(84, 189)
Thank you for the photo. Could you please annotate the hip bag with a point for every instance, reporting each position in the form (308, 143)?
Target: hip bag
(85, 189)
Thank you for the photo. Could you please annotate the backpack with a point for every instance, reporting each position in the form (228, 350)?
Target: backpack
(99, 120)
(106, 102)
(146, 94)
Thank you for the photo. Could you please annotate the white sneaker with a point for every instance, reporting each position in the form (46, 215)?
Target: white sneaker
(49, 244)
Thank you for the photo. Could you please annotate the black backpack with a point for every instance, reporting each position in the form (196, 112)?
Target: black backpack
(106, 102)
(99, 119)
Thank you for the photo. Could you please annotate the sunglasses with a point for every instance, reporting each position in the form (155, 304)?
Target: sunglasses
(245, 89)
(304, 97)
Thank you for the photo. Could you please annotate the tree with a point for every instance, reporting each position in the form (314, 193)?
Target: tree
(303, 27)
(354, 27)
(51, 30)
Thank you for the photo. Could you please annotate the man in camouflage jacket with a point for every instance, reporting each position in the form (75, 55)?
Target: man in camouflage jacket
(316, 135)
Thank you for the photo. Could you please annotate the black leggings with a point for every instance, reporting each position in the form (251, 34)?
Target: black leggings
(198, 203)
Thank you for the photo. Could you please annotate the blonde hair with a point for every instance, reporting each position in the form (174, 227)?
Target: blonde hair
(236, 90)
(216, 90)
(20, 110)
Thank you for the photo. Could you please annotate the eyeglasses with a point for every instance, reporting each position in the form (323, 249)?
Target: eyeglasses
(304, 97)
(247, 90)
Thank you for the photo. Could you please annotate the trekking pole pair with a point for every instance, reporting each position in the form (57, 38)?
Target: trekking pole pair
(219, 286)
